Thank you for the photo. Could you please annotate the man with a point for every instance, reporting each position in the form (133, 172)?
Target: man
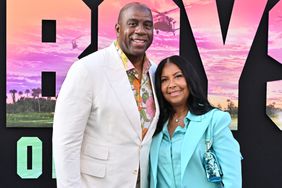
(107, 111)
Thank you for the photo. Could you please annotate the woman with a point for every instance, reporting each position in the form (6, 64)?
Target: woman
(178, 147)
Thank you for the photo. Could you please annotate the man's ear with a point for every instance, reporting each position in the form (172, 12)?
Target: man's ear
(117, 28)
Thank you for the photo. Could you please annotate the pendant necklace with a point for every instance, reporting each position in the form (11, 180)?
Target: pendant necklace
(178, 120)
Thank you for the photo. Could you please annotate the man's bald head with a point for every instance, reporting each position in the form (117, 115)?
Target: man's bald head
(136, 5)
(134, 30)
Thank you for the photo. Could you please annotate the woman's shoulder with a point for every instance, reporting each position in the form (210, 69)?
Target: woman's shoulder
(157, 136)
(219, 118)
(218, 114)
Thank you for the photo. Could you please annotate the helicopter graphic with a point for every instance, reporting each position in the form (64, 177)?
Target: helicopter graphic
(163, 22)
(74, 42)
(79, 40)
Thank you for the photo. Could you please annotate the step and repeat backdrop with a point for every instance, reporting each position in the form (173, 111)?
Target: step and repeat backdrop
(234, 44)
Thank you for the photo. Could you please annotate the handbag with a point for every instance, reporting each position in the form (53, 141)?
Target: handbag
(211, 164)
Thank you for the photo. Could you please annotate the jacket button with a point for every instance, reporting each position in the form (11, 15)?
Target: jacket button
(135, 172)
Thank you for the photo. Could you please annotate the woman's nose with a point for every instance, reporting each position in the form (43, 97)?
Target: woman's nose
(171, 83)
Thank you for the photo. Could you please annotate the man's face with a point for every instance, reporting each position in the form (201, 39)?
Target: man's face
(135, 31)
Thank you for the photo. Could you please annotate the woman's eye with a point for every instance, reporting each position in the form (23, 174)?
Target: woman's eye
(163, 80)
(178, 76)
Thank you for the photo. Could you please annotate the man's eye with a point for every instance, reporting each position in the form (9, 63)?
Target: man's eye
(148, 26)
(132, 24)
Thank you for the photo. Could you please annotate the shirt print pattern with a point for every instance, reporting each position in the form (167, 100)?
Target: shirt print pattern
(142, 89)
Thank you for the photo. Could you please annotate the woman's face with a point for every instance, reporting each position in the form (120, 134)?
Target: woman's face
(173, 85)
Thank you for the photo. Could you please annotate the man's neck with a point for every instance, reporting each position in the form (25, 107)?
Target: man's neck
(137, 62)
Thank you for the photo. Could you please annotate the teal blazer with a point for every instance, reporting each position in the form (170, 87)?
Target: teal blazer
(192, 171)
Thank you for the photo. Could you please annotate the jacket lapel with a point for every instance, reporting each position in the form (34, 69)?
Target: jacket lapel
(154, 154)
(153, 125)
(120, 84)
(195, 131)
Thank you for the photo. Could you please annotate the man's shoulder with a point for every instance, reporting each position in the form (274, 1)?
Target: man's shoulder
(97, 57)
(153, 66)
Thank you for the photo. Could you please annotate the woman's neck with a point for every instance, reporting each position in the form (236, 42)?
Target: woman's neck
(180, 111)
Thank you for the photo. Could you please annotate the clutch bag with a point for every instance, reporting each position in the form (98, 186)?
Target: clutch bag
(211, 164)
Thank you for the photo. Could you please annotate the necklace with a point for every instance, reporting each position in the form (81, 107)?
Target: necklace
(180, 118)
(177, 120)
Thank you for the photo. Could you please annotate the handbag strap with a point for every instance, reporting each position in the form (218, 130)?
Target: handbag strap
(209, 134)
(208, 139)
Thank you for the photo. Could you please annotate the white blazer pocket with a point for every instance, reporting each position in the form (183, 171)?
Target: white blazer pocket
(93, 160)
(93, 169)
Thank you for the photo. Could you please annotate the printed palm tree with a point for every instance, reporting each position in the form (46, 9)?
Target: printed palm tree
(20, 94)
(219, 106)
(13, 93)
(27, 91)
(270, 109)
(231, 107)
(35, 93)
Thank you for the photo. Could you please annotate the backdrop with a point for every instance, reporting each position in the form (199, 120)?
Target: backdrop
(235, 45)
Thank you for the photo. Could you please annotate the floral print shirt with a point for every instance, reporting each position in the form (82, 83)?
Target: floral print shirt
(142, 89)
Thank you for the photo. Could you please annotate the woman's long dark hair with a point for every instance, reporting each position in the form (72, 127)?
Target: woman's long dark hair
(197, 102)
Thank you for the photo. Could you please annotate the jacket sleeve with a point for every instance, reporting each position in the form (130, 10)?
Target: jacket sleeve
(73, 107)
(227, 150)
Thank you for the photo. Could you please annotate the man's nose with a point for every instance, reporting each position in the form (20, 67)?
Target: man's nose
(140, 29)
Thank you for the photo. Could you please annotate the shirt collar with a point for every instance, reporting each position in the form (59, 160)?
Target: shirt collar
(186, 123)
(189, 117)
(126, 62)
(193, 117)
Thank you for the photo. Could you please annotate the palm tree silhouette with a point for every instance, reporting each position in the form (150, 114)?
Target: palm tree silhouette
(27, 91)
(20, 94)
(13, 93)
(35, 93)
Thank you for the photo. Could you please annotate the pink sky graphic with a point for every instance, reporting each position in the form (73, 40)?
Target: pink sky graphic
(275, 32)
(27, 57)
(274, 93)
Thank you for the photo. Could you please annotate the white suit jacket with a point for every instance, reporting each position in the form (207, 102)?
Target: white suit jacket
(97, 130)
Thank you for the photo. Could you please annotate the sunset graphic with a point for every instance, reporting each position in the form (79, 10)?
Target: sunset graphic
(274, 102)
(27, 56)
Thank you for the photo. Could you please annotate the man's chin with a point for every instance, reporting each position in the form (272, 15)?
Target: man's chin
(139, 52)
